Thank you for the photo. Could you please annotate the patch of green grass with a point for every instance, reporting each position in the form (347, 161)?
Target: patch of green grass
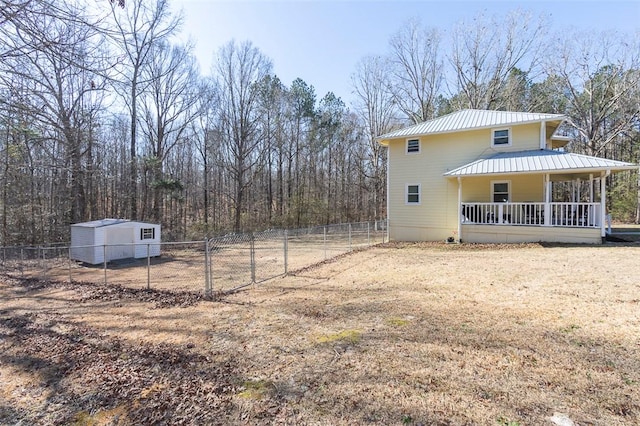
(348, 336)
(255, 389)
(503, 421)
(398, 322)
(570, 328)
(407, 420)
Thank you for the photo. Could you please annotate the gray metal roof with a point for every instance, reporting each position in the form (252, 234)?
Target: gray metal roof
(100, 223)
(538, 161)
(470, 119)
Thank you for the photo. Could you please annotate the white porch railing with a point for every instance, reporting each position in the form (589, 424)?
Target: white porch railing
(580, 215)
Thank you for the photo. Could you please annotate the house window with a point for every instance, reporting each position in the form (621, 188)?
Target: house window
(501, 137)
(413, 194)
(413, 146)
(147, 233)
(500, 192)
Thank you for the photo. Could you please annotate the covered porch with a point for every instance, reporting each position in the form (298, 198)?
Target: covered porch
(521, 200)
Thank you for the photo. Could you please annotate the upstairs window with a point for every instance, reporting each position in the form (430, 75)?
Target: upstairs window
(413, 146)
(501, 137)
(413, 194)
(147, 233)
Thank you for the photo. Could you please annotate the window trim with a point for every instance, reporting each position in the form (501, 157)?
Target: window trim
(493, 183)
(493, 137)
(406, 194)
(407, 152)
(144, 234)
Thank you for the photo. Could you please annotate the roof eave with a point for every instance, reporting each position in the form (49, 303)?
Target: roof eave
(384, 139)
(550, 171)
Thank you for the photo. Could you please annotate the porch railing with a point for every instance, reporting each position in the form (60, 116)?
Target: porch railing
(580, 215)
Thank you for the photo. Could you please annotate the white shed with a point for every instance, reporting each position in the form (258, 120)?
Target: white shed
(115, 238)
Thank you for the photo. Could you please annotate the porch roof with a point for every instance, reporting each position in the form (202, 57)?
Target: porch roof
(538, 161)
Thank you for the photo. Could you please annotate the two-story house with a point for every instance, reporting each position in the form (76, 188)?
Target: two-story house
(489, 176)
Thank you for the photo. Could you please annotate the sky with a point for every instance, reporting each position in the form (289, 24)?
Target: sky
(321, 41)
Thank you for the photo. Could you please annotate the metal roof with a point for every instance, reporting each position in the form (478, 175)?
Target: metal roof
(100, 223)
(538, 161)
(470, 119)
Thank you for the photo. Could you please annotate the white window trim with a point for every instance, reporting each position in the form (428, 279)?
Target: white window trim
(406, 194)
(508, 182)
(406, 146)
(493, 136)
(143, 237)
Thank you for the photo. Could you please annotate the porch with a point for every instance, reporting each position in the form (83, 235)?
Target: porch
(567, 214)
(519, 197)
(532, 222)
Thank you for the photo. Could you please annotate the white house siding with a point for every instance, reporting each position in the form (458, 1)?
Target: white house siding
(436, 216)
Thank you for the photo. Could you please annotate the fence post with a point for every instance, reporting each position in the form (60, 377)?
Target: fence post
(386, 231)
(368, 234)
(207, 271)
(148, 267)
(44, 263)
(70, 277)
(286, 253)
(324, 241)
(350, 237)
(104, 254)
(252, 255)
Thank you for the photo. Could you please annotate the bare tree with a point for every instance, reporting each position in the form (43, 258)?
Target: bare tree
(239, 68)
(168, 107)
(598, 74)
(376, 108)
(65, 88)
(486, 51)
(416, 70)
(139, 26)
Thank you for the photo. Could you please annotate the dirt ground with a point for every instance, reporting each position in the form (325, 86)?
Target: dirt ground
(396, 334)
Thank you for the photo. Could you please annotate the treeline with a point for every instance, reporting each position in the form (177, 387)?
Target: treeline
(102, 114)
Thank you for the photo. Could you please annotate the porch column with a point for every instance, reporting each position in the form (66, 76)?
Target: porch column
(543, 134)
(459, 209)
(547, 200)
(603, 203)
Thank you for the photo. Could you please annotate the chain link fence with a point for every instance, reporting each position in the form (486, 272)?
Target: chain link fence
(221, 264)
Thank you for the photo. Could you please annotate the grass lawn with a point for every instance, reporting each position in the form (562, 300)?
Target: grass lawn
(396, 334)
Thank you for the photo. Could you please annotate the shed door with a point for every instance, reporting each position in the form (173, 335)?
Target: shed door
(118, 242)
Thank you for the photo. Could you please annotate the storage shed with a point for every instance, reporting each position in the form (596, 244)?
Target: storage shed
(115, 239)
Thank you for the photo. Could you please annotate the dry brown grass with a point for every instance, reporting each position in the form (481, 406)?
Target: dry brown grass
(400, 334)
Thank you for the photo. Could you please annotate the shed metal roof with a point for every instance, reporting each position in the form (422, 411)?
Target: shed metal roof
(469, 119)
(100, 223)
(109, 222)
(538, 161)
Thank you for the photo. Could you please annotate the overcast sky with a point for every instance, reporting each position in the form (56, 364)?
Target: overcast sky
(321, 41)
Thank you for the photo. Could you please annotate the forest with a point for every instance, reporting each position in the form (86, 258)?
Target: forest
(104, 114)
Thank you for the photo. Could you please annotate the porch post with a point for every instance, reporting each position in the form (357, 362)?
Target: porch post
(459, 208)
(603, 203)
(543, 134)
(547, 200)
(591, 187)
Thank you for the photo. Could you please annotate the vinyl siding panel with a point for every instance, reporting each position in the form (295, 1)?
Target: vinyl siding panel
(523, 188)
